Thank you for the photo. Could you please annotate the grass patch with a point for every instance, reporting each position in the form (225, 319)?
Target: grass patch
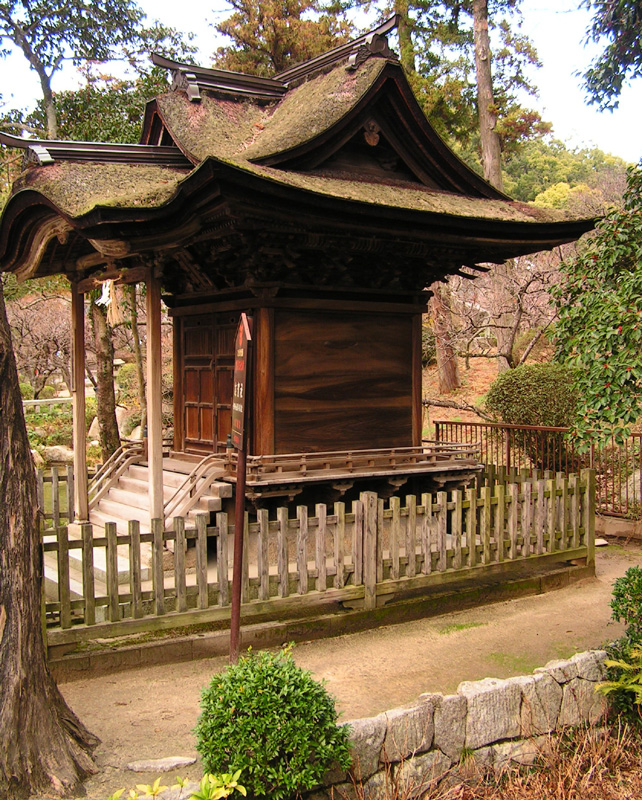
(514, 663)
(460, 626)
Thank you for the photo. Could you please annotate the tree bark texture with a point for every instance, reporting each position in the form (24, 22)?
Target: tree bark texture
(105, 397)
(490, 144)
(45, 748)
(442, 326)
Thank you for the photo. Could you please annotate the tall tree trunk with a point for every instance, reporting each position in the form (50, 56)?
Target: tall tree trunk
(490, 144)
(442, 326)
(45, 748)
(105, 397)
(138, 357)
(404, 30)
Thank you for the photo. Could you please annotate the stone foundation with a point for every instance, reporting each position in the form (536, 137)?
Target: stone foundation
(494, 721)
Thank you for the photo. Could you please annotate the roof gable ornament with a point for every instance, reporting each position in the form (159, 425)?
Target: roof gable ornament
(375, 45)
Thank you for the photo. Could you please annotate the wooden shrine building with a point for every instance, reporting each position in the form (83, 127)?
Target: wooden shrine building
(321, 202)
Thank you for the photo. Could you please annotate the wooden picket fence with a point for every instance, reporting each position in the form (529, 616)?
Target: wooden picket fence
(102, 583)
(55, 488)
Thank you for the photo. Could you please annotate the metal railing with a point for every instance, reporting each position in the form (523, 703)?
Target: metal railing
(518, 448)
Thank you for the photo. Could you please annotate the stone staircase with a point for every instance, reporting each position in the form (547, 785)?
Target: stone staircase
(128, 498)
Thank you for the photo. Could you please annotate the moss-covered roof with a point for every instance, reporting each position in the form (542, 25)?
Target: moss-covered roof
(75, 188)
(214, 127)
(310, 109)
(411, 196)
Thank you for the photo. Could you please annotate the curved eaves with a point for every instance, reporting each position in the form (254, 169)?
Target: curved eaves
(391, 102)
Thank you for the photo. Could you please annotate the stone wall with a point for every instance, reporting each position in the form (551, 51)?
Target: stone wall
(496, 721)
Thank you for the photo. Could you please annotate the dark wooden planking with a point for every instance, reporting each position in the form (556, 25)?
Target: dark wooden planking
(342, 381)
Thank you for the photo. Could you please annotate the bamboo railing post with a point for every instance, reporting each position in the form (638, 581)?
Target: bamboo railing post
(442, 529)
(88, 573)
(500, 519)
(180, 585)
(158, 581)
(320, 558)
(411, 536)
(201, 560)
(395, 535)
(111, 534)
(471, 526)
(63, 577)
(135, 580)
(457, 527)
(369, 502)
(339, 545)
(282, 552)
(426, 534)
(357, 542)
(302, 549)
(222, 566)
(55, 497)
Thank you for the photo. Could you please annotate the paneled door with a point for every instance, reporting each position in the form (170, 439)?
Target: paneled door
(199, 337)
(208, 369)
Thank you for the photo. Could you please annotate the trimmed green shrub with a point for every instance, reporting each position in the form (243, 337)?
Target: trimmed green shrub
(271, 719)
(26, 391)
(626, 603)
(534, 394)
(47, 393)
(126, 377)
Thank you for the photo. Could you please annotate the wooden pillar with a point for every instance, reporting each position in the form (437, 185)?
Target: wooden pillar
(417, 389)
(263, 413)
(81, 501)
(154, 408)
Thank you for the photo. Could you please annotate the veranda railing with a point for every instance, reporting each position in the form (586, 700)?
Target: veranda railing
(111, 584)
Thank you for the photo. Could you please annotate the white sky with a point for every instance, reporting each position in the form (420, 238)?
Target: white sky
(556, 27)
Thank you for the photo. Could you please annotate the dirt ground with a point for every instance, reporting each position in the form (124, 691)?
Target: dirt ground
(150, 713)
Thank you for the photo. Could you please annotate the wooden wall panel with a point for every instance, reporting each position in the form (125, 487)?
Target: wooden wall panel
(342, 381)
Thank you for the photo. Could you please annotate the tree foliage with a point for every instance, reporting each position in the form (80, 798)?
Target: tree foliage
(49, 34)
(268, 36)
(105, 109)
(542, 163)
(442, 36)
(617, 24)
(600, 327)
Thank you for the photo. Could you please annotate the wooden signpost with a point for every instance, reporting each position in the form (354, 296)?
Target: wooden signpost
(242, 349)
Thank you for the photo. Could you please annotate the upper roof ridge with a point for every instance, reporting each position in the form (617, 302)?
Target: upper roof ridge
(193, 79)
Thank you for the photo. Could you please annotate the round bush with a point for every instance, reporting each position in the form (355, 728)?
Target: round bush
(127, 377)
(534, 394)
(26, 391)
(272, 720)
(47, 393)
(626, 603)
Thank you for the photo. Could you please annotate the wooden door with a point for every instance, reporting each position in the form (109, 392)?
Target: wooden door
(226, 325)
(198, 383)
